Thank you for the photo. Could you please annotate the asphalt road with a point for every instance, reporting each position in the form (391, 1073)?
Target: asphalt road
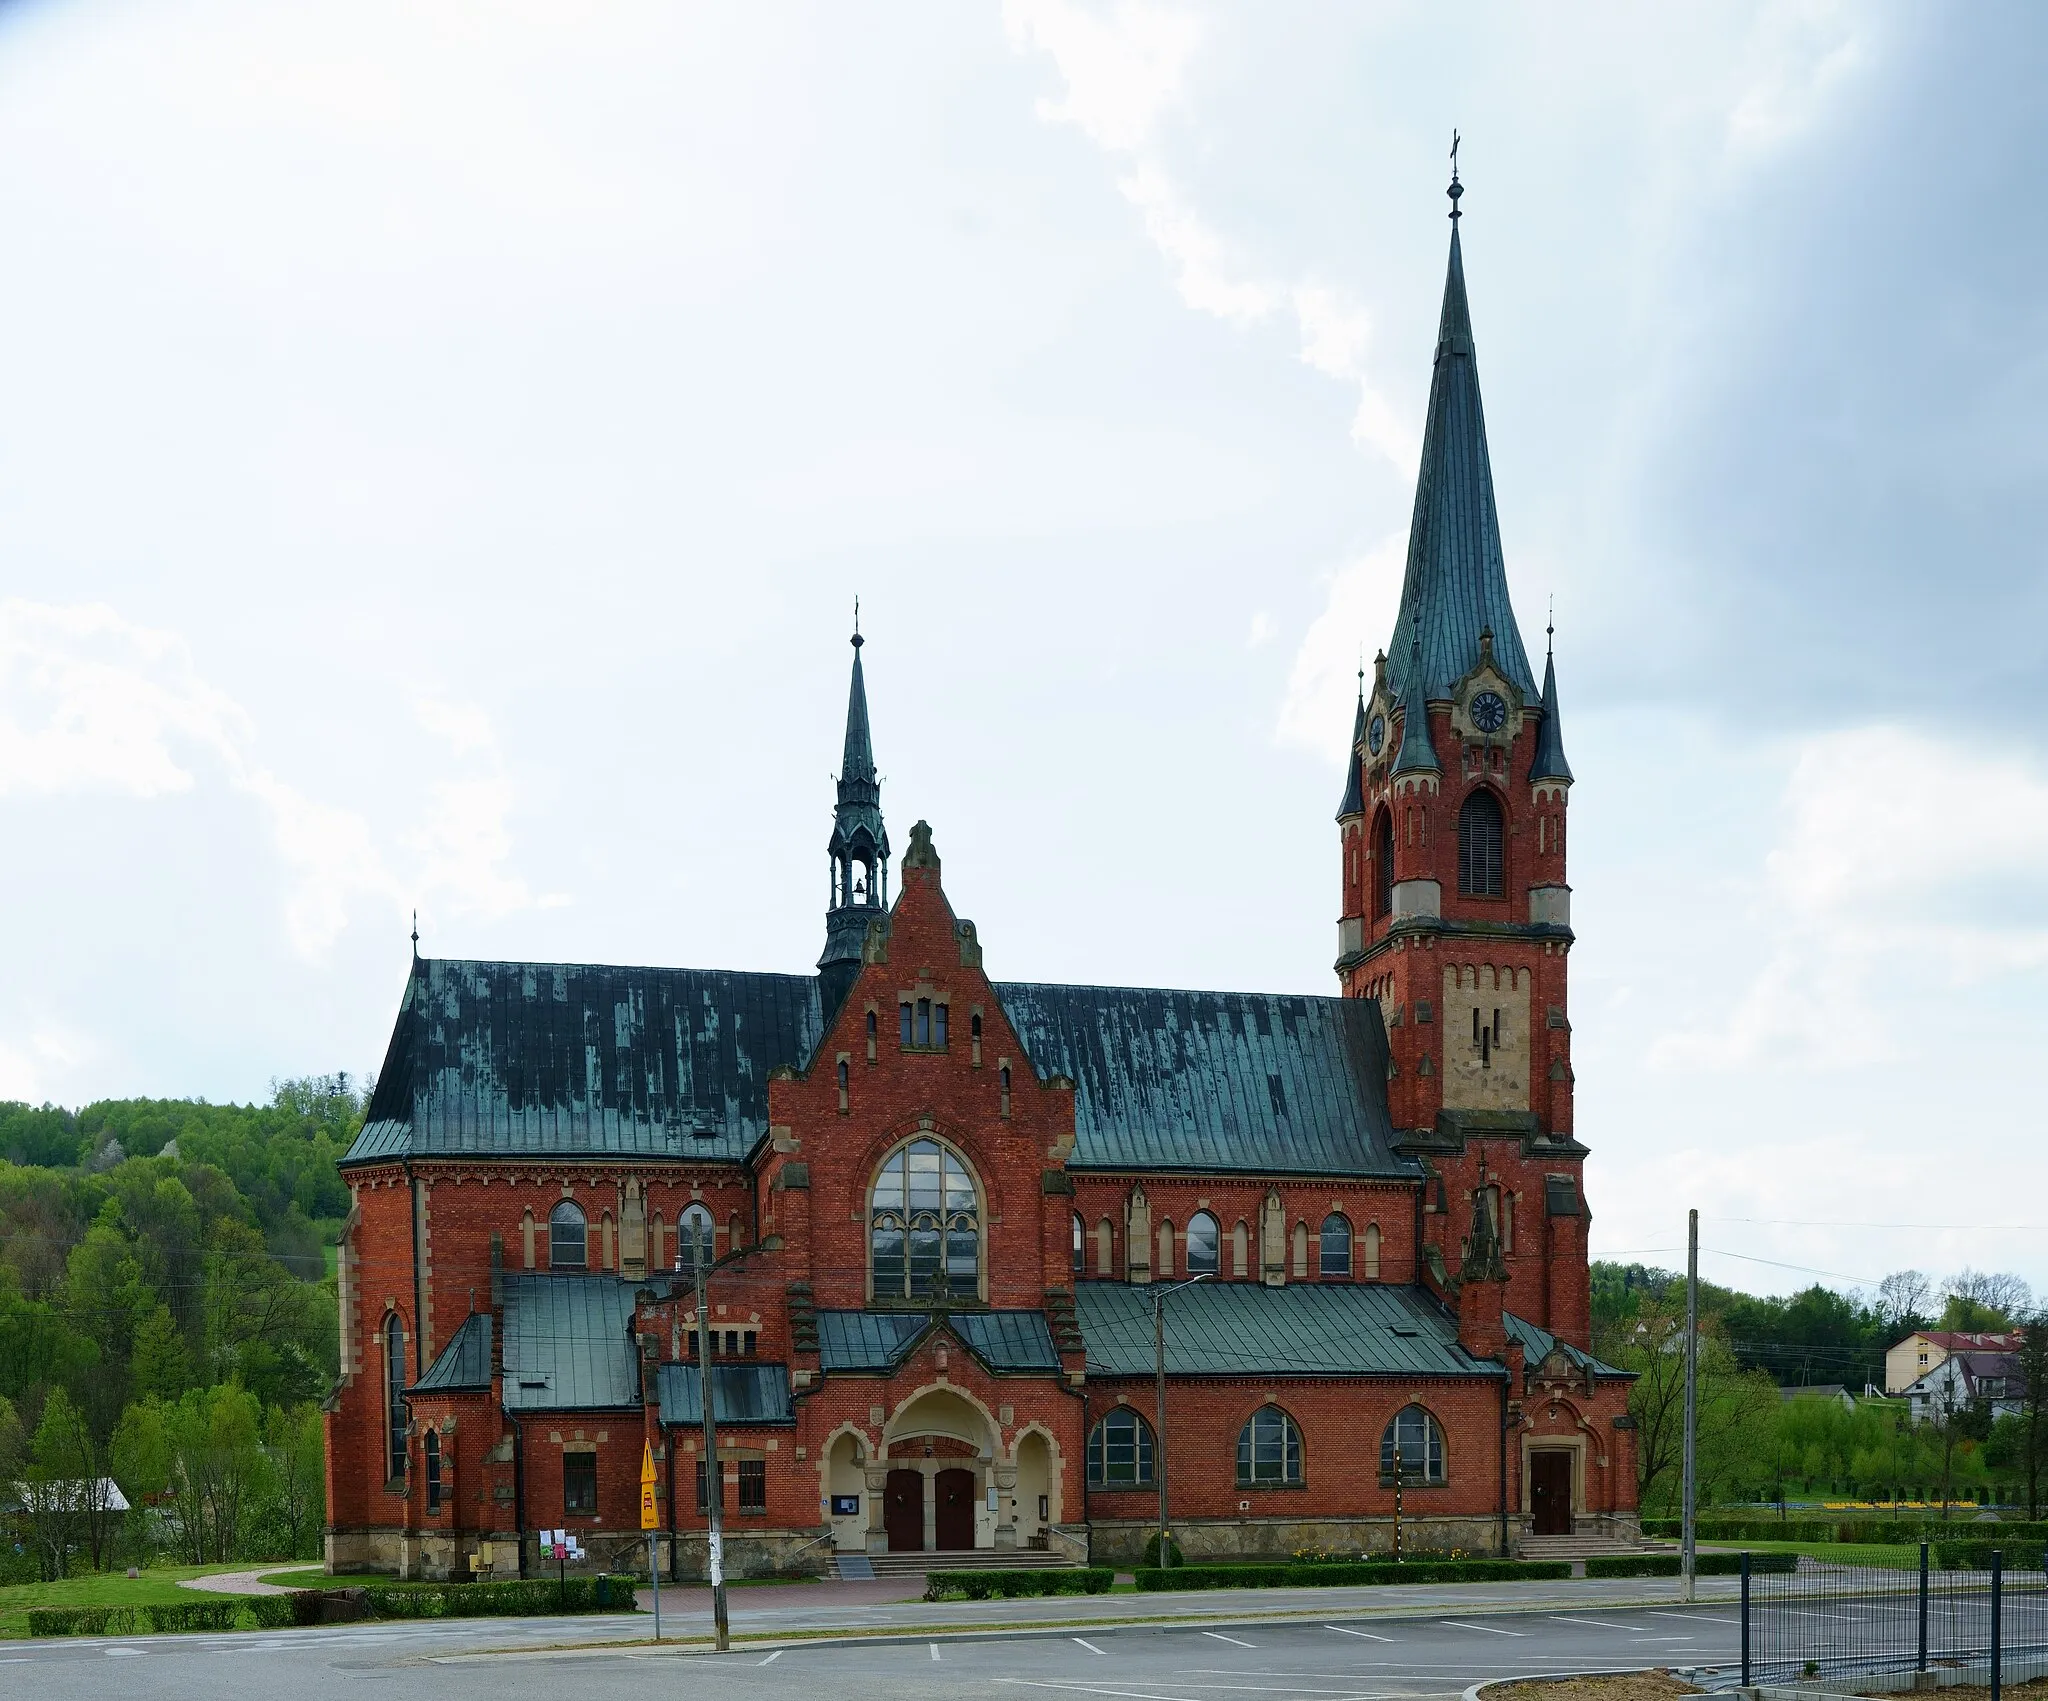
(1434, 1653)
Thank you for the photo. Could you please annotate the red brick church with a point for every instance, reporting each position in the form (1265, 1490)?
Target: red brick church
(943, 1204)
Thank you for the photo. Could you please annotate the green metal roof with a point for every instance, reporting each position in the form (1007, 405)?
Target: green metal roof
(1547, 761)
(1006, 1340)
(1456, 583)
(568, 1059)
(566, 1344)
(1249, 1329)
(1269, 1083)
(464, 1364)
(740, 1394)
(562, 1060)
(867, 1340)
(877, 1340)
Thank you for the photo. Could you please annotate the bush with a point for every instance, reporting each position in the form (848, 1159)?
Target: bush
(1869, 1532)
(1704, 1564)
(533, 1596)
(1976, 1556)
(225, 1613)
(1376, 1572)
(1009, 1585)
(1174, 1556)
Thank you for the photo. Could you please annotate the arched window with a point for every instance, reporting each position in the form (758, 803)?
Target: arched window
(1414, 1432)
(1336, 1246)
(394, 1398)
(1080, 1244)
(1479, 841)
(433, 1452)
(924, 1225)
(1383, 864)
(568, 1238)
(1268, 1450)
(1372, 1252)
(1203, 1244)
(1164, 1266)
(1120, 1451)
(695, 1234)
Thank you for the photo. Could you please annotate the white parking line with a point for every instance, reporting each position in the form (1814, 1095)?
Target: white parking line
(1223, 1638)
(1489, 1629)
(772, 1658)
(1601, 1622)
(1367, 1634)
(1691, 1617)
(934, 1648)
(1087, 1689)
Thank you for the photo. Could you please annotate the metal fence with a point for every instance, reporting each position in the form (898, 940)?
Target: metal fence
(1828, 1620)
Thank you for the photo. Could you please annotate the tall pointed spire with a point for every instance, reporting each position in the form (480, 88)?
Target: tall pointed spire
(1456, 583)
(1548, 763)
(1354, 789)
(859, 847)
(1417, 754)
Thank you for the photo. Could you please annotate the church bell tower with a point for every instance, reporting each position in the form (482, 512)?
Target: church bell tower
(858, 850)
(1456, 914)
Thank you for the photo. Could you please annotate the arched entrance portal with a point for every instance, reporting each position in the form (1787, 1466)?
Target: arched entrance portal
(933, 1490)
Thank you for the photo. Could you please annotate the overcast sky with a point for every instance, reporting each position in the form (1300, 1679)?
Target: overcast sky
(440, 446)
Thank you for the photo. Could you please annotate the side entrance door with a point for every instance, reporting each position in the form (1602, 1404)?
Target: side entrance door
(955, 1520)
(1550, 1491)
(903, 1511)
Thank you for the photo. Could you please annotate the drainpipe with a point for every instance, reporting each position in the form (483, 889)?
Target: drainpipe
(419, 1318)
(1506, 1378)
(519, 1485)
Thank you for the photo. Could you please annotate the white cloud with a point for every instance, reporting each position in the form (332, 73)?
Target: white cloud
(93, 703)
(1321, 688)
(1873, 891)
(1122, 71)
(1800, 59)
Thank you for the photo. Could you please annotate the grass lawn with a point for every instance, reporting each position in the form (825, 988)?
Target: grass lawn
(312, 1577)
(157, 1586)
(1839, 1553)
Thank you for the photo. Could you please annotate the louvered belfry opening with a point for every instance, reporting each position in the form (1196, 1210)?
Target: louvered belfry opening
(1479, 846)
(1383, 864)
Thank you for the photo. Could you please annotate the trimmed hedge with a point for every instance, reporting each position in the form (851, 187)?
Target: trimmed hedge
(1704, 1564)
(225, 1612)
(1009, 1585)
(604, 1593)
(1869, 1532)
(1976, 1556)
(1367, 1574)
(530, 1597)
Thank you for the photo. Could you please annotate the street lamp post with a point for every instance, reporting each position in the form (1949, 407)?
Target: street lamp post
(1159, 1401)
(714, 1475)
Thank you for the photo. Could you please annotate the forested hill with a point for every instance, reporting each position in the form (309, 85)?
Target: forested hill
(164, 1287)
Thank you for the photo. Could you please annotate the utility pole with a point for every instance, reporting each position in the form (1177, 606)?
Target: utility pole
(1692, 1401)
(713, 1472)
(1159, 1403)
(701, 1267)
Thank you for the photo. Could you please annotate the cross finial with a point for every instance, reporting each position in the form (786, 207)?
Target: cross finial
(415, 933)
(1456, 189)
(857, 639)
(1550, 626)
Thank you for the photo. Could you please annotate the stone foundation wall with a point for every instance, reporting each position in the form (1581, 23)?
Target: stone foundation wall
(748, 1553)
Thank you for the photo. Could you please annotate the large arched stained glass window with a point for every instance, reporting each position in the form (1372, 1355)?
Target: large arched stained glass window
(695, 1238)
(568, 1238)
(1203, 1244)
(1420, 1444)
(1120, 1451)
(1334, 1247)
(925, 1226)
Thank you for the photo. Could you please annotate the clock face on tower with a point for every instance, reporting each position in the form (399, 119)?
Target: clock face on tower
(1489, 711)
(1376, 734)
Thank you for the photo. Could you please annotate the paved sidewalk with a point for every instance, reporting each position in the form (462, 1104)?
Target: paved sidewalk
(891, 1607)
(239, 1582)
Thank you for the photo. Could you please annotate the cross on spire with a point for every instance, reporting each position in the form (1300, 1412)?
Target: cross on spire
(1456, 189)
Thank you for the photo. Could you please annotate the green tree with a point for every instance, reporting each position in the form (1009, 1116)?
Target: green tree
(161, 1367)
(219, 1468)
(142, 1465)
(296, 1441)
(2033, 1413)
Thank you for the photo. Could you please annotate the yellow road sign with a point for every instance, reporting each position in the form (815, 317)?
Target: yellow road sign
(648, 1520)
(647, 1465)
